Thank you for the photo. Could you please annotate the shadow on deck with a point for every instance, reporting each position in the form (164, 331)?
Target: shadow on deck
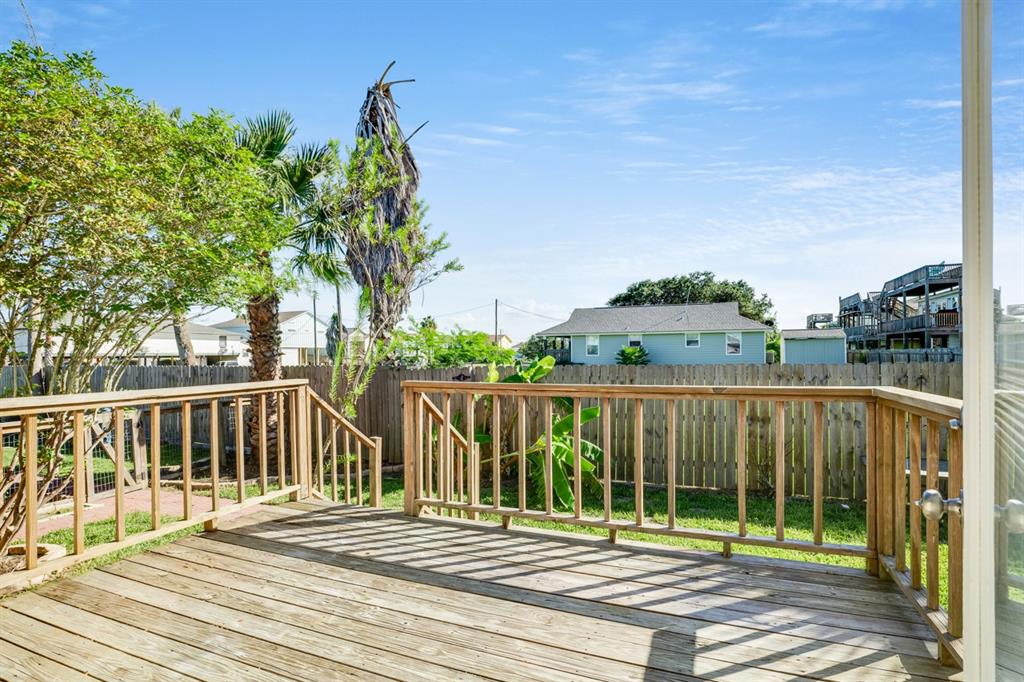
(319, 591)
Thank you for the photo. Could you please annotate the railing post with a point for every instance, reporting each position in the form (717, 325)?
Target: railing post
(301, 441)
(409, 462)
(872, 486)
(375, 473)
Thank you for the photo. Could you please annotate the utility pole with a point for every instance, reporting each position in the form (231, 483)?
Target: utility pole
(316, 345)
(495, 321)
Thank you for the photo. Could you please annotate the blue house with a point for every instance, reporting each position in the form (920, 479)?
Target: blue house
(813, 346)
(698, 334)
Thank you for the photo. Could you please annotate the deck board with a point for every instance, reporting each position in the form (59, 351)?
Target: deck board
(320, 591)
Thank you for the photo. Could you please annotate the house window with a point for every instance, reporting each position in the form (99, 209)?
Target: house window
(635, 340)
(692, 340)
(733, 344)
(593, 345)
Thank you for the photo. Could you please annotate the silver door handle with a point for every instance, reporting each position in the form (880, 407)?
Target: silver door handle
(933, 506)
(1012, 515)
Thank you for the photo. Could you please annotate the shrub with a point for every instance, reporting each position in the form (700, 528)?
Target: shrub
(633, 355)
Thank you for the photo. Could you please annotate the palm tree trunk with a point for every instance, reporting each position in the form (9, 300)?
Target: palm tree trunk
(265, 354)
(183, 337)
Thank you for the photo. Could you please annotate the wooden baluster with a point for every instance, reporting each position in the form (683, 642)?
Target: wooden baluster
(29, 479)
(899, 482)
(871, 445)
(240, 448)
(955, 534)
(885, 483)
(522, 453)
(549, 461)
(496, 450)
(422, 467)
(374, 462)
(473, 470)
(215, 455)
(154, 459)
(460, 475)
(577, 458)
(606, 446)
(186, 459)
(279, 399)
(932, 526)
(741, 465)
(119, 464)
(294, 441)
(431, 463)
(359, 472)
(263, 443)
(638, 460)
(348, 468)
(78, 453)
(334, 463)
(445, 448)
(670, 459)
(318, 415)
(915, 494)
(780, 470)
(818, 440)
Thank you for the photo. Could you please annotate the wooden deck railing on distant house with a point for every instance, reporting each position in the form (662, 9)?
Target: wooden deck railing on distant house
(289, 421)
(443, 468)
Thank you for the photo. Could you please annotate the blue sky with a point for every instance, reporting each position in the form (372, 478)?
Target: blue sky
(811, 148)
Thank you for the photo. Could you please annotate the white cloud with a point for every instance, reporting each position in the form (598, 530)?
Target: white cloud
(644, 138)
(471, 140)
(932, 103)
(495, 129)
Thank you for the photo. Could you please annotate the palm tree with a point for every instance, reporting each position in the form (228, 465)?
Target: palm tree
(290, 176)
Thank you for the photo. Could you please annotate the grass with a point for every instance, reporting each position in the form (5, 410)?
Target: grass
(170, 456)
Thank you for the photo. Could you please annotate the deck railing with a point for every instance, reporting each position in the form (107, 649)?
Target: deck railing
(276, 425)
(444, 472)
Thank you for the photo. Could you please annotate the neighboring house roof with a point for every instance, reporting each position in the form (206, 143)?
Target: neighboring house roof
(795, 334)
(282, 316)
(196, 330)
(641, 319)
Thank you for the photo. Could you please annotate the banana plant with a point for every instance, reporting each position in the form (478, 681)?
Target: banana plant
(561, 440)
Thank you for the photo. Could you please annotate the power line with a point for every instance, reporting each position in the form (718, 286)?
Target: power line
(467, 310)
(530, 312)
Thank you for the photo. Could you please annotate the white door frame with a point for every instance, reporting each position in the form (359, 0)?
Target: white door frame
(978, 343)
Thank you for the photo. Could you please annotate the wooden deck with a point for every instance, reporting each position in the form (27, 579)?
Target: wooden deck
(316, 591)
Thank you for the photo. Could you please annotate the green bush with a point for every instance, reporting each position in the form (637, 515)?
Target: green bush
(633, 355)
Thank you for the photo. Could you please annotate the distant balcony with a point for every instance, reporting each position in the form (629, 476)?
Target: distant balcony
(927, 272)
(944, 320)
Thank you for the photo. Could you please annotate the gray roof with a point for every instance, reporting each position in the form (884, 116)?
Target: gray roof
(282, 316)
(813, 334)
(639, 319)
(196, 330)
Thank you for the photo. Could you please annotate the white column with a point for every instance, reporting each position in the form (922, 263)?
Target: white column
(978, 342)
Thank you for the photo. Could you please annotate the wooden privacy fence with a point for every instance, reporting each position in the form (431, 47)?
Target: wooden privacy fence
(711, 428)
(903, 433)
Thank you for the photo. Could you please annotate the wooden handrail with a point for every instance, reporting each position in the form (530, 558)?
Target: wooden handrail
(320, 409)
(91, 401)
(648, 391)
(436, 413)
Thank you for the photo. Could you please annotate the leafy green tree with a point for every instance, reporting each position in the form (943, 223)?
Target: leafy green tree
(698, 287)
(633, 355)
(533, 349)
(423, 346)
(114, 218)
